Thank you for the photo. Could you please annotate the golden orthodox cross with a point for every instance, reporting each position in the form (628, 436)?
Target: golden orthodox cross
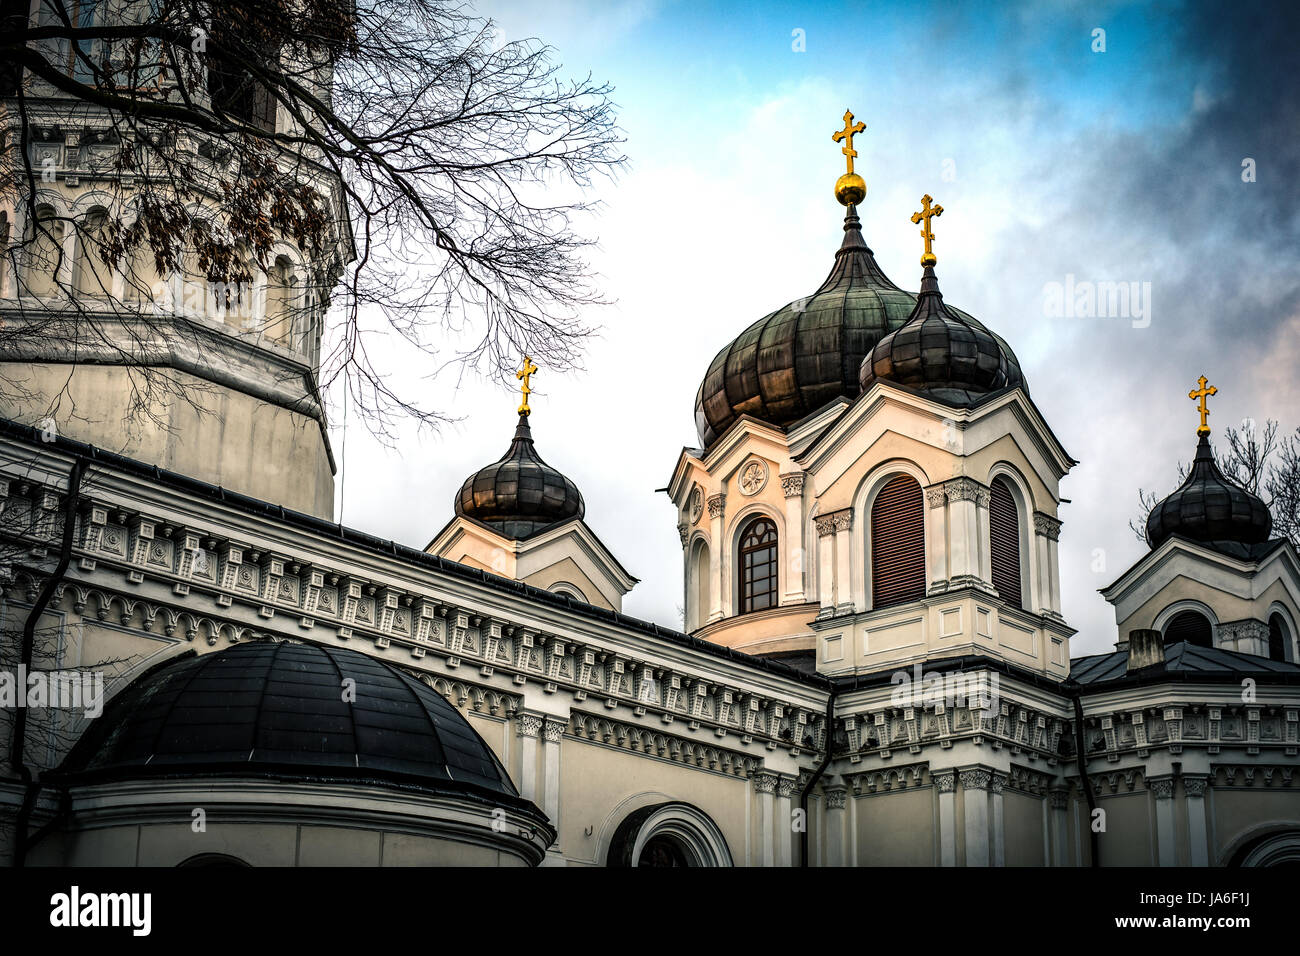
(927, 213)
(1201, 393)
(846, 134)
(524, 374)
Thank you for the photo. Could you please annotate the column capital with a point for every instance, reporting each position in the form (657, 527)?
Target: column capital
(792, 484)
(841, 520)
(554, 729)
(1194, 784)
(1047, 526)
(529, 725)
(765, 781)
(945, 780)
(966, 489)
(836, 797)
(936, 496)
(717, 505)
(976, 778)
(785, 787)
(1060, 797)
(1161, 787)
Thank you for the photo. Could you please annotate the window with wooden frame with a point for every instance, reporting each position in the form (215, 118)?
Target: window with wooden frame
(898, 543)
(1004, 543)
(758, 565)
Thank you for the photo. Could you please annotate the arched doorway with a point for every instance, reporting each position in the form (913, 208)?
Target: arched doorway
(668, 835)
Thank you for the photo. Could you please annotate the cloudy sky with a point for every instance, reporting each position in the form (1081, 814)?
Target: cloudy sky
(1051, 161)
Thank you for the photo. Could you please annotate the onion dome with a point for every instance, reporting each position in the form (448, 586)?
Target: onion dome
(792, 362)
(1209, 508)
(274, 709)
(943, 352)
(519, 495)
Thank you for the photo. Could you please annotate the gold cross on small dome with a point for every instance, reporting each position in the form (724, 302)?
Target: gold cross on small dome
(927, 213)
(1204, 390)
(850, 189)
(523, 375)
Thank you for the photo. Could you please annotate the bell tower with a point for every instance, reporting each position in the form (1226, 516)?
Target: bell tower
(205, 368)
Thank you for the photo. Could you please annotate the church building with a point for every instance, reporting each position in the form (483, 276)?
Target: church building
(874, 667)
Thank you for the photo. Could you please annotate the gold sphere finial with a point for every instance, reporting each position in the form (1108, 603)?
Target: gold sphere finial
(850, 189)
(927, 213)
(1199, 394)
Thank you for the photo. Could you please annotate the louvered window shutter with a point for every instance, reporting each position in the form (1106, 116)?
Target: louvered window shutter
(1004, 543)
(1190, 627)
(898, 543)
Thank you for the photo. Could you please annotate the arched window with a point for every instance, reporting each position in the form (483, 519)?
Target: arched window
(1191, 627)
(44, 253)
(94, 277)
(1004, 542)
(898, 543)
(699, 615)
(281, 301)
(1278, 638)
(758, 565)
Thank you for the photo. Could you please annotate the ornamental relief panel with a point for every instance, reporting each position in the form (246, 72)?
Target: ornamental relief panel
(695, 504)
(753, 477)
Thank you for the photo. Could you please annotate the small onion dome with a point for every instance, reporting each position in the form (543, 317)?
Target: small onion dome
(1209, 508)
(943, 352)
(520, 494)
(790, 363)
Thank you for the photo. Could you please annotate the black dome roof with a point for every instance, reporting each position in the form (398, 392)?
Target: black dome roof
(943, 352)
(268, 708)
(789, 364)
(519, 495)
(1209, 508)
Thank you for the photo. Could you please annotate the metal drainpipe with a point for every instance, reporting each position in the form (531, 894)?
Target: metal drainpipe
(826, 760)
(1081, 756)
(43, 599)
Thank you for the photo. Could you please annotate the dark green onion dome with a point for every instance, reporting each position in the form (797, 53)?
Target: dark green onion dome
(943, 352)
(520, 494)
(1209, 508)
(279, 710)
(789, 364)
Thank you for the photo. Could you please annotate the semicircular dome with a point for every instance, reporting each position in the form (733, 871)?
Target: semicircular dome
(1209, 508)
(519, 494)
(264, 708)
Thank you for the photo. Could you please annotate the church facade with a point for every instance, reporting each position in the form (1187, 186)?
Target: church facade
(874, 667)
